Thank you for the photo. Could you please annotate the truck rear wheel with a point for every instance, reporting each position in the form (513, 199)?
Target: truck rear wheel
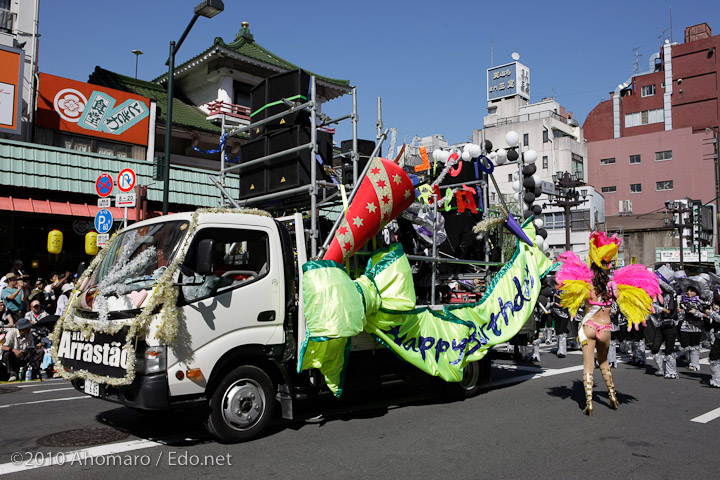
(475, 376)
(241, 406)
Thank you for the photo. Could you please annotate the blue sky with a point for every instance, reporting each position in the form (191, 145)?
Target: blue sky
(426, 59)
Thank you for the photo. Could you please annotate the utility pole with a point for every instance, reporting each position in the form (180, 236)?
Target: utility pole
(567, 197)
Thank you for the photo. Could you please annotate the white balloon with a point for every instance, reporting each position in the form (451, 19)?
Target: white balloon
(443, 156)
(436, 154)
(539, 241)
(492, 156)
(515, 175)
(466, 155)
(537, 180)
(538, 222)
(516, 185)
(517, 196)
(474, 150)
(530, 156)
(512, 138)
(546, 247)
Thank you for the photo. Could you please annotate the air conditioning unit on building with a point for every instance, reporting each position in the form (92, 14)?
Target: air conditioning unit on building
(625, 207)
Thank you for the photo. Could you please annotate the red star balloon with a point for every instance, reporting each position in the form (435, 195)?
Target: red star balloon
(385, 192)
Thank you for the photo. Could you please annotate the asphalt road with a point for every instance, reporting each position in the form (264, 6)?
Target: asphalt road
(527, 424)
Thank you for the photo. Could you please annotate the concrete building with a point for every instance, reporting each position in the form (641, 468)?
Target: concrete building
(655, 140)
(551, 131)
(52, 156)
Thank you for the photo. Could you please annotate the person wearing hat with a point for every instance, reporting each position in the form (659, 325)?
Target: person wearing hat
(62, 300)
(19, 270)
(13, 296)
(19, 349)
(36, 312)
(665, 321)
(691, 319)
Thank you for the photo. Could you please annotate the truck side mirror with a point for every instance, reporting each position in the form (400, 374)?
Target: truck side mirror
(205, 251)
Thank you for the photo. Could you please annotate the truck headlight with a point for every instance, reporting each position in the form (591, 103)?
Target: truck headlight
(155, 359)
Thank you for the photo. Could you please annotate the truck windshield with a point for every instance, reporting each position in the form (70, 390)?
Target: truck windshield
(139, 256)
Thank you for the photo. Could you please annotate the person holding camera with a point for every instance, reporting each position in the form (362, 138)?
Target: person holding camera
(20, 350)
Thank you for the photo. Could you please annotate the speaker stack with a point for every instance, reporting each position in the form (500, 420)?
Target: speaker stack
(292, 130)
(365, 149)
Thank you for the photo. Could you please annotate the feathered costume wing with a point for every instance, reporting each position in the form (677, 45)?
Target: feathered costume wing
(635, 287)
(574, 281)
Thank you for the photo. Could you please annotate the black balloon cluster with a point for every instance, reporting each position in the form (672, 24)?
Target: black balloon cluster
(532, 190)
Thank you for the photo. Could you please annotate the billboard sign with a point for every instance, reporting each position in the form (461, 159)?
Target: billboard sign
(12, 61)
(86, 109)
(508, 80)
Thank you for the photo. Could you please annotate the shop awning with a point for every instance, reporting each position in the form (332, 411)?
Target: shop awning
(48, 207)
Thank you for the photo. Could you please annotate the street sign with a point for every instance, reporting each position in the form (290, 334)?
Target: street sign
(125, 200)
(103, 221)
(102, 239)
(104, 185)
(104, 203)
(126, 180)
(547, 188)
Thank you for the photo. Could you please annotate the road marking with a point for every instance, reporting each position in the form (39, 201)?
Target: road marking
(37, 383)
(43, 401)
(53, 390)
(75, 457)
(707, 417)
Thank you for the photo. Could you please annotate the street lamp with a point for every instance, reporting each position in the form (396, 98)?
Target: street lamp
(208, 8)
(567, 197)
(137, 57)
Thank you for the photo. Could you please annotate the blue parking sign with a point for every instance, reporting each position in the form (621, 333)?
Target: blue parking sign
(103, 221)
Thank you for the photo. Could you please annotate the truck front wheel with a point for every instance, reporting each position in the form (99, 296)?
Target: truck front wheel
(241, 406)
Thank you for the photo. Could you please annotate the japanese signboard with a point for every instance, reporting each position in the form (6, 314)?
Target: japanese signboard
(77, 107)
(508, 80)
(11, 83)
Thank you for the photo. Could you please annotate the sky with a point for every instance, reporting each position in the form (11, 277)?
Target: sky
(426, 60)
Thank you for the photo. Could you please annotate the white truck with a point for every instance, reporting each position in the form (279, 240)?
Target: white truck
(226, 336)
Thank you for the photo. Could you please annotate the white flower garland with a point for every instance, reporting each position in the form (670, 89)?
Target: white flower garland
(163, 299)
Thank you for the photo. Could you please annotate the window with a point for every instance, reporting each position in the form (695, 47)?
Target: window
(607, 161)
(240, 257)
(645, 117)
(664, 185)
(6, 17)
(545, 162)
(662, 156)
(510, 179)
(634, 159)
(635, 188)
(577, 166)
(554, 220)
(580, 220)
(647, 90)
(526, 139)
(611, 189)
(546, 137)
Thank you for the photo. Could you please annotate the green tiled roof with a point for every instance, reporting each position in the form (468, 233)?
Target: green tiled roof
(184, 114)
(244, 44)
(59, 169)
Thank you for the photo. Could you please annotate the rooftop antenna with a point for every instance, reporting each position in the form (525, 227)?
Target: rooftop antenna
(491, 52)
(638, 56)
(662, 35)
(671, 32)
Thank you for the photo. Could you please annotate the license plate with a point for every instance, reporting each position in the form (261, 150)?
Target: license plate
(92, 388)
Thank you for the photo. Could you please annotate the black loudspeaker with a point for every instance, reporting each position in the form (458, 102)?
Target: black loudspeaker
(365, 149)
(254, 179)
(293, 170)
(266, 101)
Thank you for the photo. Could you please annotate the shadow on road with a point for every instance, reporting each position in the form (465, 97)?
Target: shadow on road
(577, 393)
